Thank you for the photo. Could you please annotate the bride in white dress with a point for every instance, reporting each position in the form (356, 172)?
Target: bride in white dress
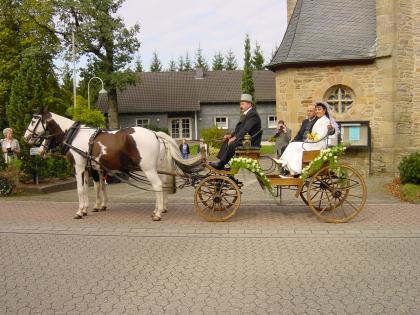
(291, 159)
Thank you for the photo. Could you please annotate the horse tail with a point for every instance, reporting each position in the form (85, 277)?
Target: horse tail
(186, 165)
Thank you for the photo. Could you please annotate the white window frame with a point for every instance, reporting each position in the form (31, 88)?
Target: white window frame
(143, 119)
(181, 135)
(275, 121)
(221, 127)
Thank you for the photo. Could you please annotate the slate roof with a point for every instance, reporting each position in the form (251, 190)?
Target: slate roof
(328, 30)
(181, 91)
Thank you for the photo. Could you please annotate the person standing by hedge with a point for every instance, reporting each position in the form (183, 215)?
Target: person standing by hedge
(10, 146)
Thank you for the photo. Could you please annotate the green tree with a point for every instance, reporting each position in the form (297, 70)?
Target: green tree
(17, 33)
(181, 64)
(187, 64)
(172, 65)
(99, 32)
(138, 65)
(258, 58)
(247, 85)
(156, 65)
(217, 63)
(230, 61)
(200, 61)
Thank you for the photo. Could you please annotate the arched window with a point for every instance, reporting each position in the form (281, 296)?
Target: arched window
(340, 98)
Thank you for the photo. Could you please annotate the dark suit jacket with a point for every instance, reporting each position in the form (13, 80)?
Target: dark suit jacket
(250, 124)
(188, 148)
(304, 128)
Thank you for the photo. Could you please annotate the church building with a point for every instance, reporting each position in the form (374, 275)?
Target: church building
(363, 58)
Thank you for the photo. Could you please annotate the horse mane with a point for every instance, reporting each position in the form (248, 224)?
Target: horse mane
(190, 165)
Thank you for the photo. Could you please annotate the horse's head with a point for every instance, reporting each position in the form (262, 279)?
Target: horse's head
(36, 130)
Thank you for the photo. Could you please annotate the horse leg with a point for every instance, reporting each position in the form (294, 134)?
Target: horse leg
(97, 187)
(154, 179)
(103, 193)
(85, 193)
(80, 192)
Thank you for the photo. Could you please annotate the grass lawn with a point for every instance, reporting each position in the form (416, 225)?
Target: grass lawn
(411, 192)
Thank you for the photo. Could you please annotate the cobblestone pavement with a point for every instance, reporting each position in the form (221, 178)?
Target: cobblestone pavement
(268, 259)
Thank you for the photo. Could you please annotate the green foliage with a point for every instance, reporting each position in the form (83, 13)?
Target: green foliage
(172, 65)
(329, 156)
(200, 61)
(6, 187)
(268, 149)
(217, 62)
(27, 93)
(50, 167)
(157, 128)
(230, 61)
(156, 65)
(89, 117)
(138, 66)
(410, 169)
(187, 64)
(236, 163)
(247, 85)
(100, 32)
(213, 136)
(258, 58)
(411, 192)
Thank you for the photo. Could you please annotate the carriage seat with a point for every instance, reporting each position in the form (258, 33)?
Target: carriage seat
(308, 156)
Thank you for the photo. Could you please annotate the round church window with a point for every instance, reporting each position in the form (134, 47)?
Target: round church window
(340, 98)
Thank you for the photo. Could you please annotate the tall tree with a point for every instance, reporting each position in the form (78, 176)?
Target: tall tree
(200, 61)
(101, 33)
(217, 63)
(156, 65)
(258, 58)
(172, 65)
(27, 92)
(230, 61)
(17, 33)
(247, 85)
(187, 64)
(138, 65)
(181, 64)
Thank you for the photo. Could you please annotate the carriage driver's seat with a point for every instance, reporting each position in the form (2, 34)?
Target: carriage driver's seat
(246, 150)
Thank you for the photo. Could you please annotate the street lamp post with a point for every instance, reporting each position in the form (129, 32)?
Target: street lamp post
(102, 91)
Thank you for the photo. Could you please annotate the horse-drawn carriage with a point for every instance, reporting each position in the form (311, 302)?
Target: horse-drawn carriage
(334, 194)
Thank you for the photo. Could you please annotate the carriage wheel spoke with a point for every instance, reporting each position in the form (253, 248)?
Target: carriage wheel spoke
(346, 201)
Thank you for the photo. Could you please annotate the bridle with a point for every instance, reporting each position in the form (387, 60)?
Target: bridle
(39, 138)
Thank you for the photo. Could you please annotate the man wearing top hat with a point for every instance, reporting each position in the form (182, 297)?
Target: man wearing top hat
(249, 122)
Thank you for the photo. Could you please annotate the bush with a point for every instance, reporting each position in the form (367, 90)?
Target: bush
(212, 134)
(157, 128)
(410, 169)
(89, 117)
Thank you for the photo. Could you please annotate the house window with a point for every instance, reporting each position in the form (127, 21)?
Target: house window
(142, 123)
(180, 128)
(340, 98)
(221, 122)
(272, 121)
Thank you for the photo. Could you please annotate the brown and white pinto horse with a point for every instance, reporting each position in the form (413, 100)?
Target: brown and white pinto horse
(129, 149)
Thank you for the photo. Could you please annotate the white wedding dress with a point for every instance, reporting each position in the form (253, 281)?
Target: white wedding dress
(292, 156)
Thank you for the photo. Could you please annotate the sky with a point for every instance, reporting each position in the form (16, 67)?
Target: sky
(171, 28)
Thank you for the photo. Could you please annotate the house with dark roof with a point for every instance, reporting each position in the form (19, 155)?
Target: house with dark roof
(363, 58)
(186, 102)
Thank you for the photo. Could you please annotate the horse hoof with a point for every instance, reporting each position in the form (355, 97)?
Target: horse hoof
(156, 218)
(103, 208)
(84, 214)
(95, 210)
(77, 216)
(164, 210)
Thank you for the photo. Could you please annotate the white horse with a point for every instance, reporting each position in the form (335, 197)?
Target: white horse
(126, 150)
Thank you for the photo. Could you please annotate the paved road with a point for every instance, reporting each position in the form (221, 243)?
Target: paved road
(269, 259)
